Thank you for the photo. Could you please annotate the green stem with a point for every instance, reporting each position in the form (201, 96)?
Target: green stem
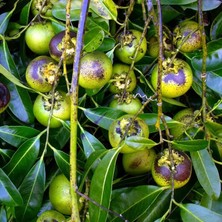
(74, 111)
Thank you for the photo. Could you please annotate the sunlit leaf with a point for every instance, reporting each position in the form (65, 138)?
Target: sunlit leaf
(32, 191)
(10, 196)
(206, 172)
(197, 213)
(101, 186)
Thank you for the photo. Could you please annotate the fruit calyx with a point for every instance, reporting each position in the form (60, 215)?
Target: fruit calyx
(54, 100)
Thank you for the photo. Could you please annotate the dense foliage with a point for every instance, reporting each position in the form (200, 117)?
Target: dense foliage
(33, 150)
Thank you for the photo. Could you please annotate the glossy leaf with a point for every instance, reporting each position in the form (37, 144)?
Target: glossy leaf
(20, 103)
(216, 27)
(25, 12)
(107, 44)
(93, 39)
(207, 6)
(176, 2)
(101, 186)
(214, 128)
(197, 213)
(5, 156)
(206, 172)
(16, 135)
(103, 116)
(132, 202)
(10, 196)
(214, 205)
(190, 145)
(90, 143)
(32, 191)
(22, 160)
(97, 22)
(138, 142)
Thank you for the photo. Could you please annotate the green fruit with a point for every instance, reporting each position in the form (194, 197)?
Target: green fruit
(38, 36)
(187, 36)
(139, 162)
(61, 109)
(59, 194)
(41, 73)
(122, 79)
(124, 127)
(51, 216)
(129, 42)
(162, 169)
(4, 97)
(95, 70)
(177, 78)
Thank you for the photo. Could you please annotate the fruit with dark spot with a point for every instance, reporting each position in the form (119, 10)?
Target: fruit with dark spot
(177, 78)
(124, 127)
(51, 216)
(95, 70)
(173, 169)
(128, 45)
(58, 45)
(187, 36)
(4, 97)
(41, 73)
(139, 162)
(57, 104)
(123, 79)
(38, 36)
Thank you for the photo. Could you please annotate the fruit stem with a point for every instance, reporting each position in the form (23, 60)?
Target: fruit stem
(74, 111)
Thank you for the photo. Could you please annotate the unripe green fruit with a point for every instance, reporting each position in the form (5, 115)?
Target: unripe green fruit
(139, 162)
(51, 216)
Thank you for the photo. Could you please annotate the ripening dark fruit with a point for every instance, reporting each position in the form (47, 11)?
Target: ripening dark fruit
(38, 36)
(41, 73)
(51, 216)
(57, 46)
(124, 127)
(139, 162)
(187, 36)
(126, 103)
(122, 79)
(186, 117)
(129, 42)
(177, 78)
(162, 169)
(61, 109)
(4, 97)
(95, 70)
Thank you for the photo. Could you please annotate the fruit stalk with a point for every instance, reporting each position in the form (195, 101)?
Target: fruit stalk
(74, 111)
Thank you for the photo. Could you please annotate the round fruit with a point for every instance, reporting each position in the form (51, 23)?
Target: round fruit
(41, 73)
(177, 78)
(51, 216)
(128, 44)
(139, 162)
(38, 36)
(124, 127)
(186, 117)
(122, 79)
(38, 7)
(59, 194)
(187, 36)
(57, 46)
(127, 103)
(163, 171)
(95, 70)
(61, 109)
(4, 97)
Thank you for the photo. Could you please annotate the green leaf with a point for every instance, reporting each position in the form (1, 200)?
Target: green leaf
(16, 135)
(97, 22)
(101, 186)
(93, 39)
(138, 142)
(206, 172)
(196, 213)
(10, 196)
(216, 27)
(5, 155)
(214, 205)
(175, 2)
(132, 202)
(107, 44)
(206, 6)
(103, 116)
(90, 143)
(3, 214)
(22, 160)
(190, 145)
(214, 128)
(32, 191)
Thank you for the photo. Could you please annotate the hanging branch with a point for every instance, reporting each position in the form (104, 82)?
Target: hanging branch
(204, 58)
(74, 111)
